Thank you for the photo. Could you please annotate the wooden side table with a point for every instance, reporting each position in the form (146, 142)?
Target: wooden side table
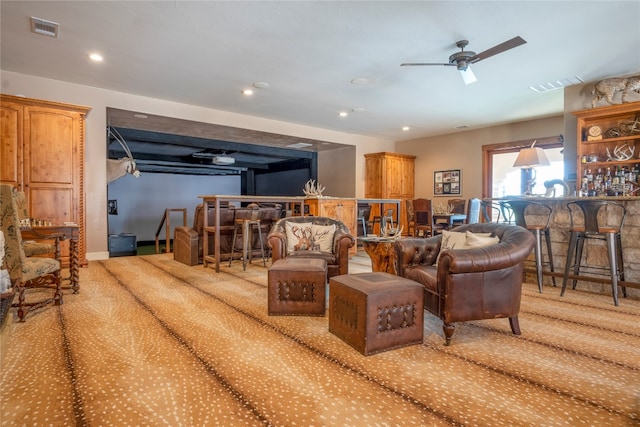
(381, 252)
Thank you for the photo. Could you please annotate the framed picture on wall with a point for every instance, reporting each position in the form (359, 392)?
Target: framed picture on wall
(447, 182)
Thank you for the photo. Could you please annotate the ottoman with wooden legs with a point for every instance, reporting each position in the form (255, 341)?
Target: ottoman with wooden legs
(297, 286)
(374, 312)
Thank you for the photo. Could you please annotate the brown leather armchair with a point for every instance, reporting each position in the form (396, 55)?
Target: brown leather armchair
(469, 284)
(337, 260)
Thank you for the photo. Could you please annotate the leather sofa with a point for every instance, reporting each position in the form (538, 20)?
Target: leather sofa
(469, 284)
(188, 241)
(337, 259)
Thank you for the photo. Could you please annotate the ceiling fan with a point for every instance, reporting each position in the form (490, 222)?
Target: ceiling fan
(463, 59)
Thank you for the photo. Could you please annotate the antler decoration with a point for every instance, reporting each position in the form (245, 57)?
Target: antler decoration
(392, 232)
(313, 189)
(624, 152)
(119, 168)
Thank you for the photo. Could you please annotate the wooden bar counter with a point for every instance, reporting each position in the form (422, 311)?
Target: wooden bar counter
(595, 252)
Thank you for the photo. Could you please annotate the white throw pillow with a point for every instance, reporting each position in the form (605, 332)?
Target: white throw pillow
(451, 240)
(467, 240)
(298, 236)
(480, 240)
(322, 237)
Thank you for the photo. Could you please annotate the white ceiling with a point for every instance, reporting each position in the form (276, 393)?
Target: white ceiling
(204, 53)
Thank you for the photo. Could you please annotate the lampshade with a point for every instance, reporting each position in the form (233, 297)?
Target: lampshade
(467, 75)
(532, 156)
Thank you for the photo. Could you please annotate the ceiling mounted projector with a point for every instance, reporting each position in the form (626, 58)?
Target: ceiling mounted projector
(223, 160)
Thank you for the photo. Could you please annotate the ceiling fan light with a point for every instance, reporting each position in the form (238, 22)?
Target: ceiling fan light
(467, 75)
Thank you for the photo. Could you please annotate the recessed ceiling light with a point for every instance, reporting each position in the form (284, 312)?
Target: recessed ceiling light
(358, 109)
(96, 57)
(140, 116)
(343, 114)
(405, 128)
(247, 92)
(359, 81)
(261, 85)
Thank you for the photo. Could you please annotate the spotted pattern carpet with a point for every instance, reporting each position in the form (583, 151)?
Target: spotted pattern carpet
(151, 342)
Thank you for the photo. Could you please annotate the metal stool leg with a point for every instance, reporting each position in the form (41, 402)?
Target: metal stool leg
(621, 262)
(547, 238)
(233, 241)
(613, 265)
(567, 268)
(264, 259)
(538, 255)
(576, 266)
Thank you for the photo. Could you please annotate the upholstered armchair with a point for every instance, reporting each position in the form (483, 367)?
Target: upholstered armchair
(31, 247)
(312, 237)
(469, 281)
(26, 272)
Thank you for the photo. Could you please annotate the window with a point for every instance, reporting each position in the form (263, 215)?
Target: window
(501, 179)
(507, 179)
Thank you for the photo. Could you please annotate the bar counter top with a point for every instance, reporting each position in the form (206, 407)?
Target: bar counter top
(566, 198)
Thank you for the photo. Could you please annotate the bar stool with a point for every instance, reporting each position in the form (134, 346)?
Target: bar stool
(362, 221)
(383, 220)
(541, 216)
(605, 225)
(246, 226)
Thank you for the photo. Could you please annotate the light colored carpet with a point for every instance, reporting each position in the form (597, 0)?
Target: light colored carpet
(149, 341)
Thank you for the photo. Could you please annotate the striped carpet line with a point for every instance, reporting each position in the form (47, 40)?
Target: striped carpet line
(517, 377)
(556, 347)
(77, 405)
(238, 396)
(522, 378)
(340, 363)
(207, 337)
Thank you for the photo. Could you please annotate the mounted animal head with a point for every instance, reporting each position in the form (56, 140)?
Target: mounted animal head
(125, 165)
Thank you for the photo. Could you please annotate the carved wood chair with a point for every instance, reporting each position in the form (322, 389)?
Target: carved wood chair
(26, 272)
(31, 247)
(423, 217)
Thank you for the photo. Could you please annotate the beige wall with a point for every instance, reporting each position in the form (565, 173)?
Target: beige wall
(463, 150)
(95, 162)
(341, 184)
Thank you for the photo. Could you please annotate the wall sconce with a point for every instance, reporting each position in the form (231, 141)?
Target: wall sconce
(527, 159)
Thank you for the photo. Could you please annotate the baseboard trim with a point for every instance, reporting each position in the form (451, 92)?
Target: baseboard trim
(96, 256)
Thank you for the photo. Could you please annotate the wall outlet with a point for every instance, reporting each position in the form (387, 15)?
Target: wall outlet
(112, 207)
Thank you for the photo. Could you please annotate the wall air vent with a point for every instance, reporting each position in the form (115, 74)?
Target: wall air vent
(44, 27)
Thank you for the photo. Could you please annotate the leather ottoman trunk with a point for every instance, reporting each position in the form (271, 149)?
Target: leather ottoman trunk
(185, 246)
(297, 286)
(374, 312)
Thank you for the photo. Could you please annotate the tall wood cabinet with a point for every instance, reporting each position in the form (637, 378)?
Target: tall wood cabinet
(602, 132)
(341, 209)
(42, 154)
(390, 176)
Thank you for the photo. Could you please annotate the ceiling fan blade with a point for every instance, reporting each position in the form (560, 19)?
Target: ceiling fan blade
(509, 44)
(422, 63)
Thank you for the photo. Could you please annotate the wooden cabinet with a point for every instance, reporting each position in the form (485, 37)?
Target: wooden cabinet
(42, 154)
(390, 176)
(603, 132)
(338, 208)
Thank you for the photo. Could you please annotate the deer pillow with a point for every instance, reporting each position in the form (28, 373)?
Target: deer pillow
(322, 237)
(298, 236)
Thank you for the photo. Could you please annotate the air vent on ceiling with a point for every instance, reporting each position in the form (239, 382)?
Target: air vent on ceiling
(44, 27)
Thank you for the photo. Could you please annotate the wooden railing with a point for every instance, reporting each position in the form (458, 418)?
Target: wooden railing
(166, 218)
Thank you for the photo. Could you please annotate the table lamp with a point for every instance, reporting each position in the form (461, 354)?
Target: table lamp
(527, 159)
